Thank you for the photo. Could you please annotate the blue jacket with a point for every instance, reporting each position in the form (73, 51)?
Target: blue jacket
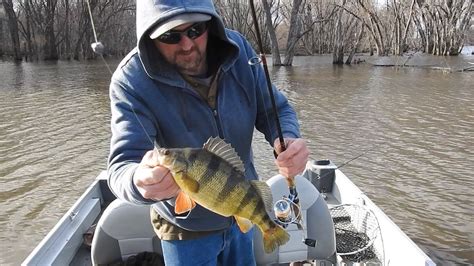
(152, 103)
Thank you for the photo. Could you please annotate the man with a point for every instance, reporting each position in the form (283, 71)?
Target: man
(187, 80)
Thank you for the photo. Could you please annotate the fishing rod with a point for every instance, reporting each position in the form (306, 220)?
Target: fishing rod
(267, 75)
(290, 180)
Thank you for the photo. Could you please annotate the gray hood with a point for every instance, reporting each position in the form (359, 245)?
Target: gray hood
(152, 12)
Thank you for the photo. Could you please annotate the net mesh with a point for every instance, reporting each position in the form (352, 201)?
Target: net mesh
(356, 230)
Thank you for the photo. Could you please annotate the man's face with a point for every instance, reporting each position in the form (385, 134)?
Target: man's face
(188, 54)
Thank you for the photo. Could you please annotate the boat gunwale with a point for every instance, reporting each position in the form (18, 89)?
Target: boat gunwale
(46, 252)
(61, 243)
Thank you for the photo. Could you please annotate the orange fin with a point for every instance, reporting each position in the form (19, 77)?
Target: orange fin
(183, 203)
(244, 224)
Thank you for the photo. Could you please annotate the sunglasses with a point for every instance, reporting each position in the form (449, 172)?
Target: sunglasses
(192, 32)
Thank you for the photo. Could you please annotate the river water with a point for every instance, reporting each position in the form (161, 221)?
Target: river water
(418, 124)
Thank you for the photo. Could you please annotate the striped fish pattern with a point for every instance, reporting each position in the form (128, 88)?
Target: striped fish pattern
(213, 176)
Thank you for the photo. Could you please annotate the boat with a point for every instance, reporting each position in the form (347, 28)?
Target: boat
(334, 223)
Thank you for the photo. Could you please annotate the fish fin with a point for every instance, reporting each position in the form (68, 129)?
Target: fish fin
(224, 150)
(265, 194)
(183, 203)
(187, 182)
(244, 224)
(274, 237)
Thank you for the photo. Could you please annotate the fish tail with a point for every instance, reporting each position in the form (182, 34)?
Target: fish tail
(273, 237)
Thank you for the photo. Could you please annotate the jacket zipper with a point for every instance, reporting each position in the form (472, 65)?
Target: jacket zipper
(218, 125)
(214, 110)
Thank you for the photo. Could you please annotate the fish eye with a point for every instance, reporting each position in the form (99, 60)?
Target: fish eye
(164, 151)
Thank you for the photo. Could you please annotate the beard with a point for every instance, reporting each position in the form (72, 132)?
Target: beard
(192, 62)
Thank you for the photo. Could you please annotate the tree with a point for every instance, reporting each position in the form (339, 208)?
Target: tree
(399, 45)
(62, 29)
(338, 51)
(355, 44)
(442, 25)
(13, 26)
(293, 33)
(271, 32)
(50, 46)
(375, 25)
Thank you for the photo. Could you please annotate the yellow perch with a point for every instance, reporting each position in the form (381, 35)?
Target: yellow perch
(213, 176)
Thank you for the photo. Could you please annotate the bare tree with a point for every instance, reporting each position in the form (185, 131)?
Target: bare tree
(338, 50)
(28, 30)
(272, 33)
(442, 25)
(52, 29)
(355, 44)
(375, 25)
(67, 31)
(13, 26)
(50, 46)
(236, 15)
(402, 25)
(318, 19)
(293, 33)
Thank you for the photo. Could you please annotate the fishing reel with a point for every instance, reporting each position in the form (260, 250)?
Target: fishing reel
(285, 212)
(288, 211)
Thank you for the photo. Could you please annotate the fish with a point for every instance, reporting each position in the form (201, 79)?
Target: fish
(213, 177)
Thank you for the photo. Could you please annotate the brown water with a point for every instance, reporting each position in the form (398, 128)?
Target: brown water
(418, 123)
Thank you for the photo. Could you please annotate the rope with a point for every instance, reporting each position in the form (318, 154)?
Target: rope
(97, 47)
(92, 20)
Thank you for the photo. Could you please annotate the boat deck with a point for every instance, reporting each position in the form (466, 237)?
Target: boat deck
(64, 245)
(83, 255)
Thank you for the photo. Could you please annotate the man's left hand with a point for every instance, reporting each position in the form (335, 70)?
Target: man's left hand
(292, 161)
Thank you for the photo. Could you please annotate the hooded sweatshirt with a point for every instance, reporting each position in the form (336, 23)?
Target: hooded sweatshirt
(152, 104)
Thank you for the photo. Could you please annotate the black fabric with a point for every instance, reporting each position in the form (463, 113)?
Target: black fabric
(141, 259)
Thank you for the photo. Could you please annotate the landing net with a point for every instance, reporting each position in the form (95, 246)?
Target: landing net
(357, 229)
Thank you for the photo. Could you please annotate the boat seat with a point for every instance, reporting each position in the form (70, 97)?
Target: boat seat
(123, 230)
(317, 223)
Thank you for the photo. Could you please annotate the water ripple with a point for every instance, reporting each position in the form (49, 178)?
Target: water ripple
(417, 124)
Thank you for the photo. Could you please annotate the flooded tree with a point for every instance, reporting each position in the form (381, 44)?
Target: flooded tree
(401, 17)
(338, 49)
(13, 28)
(442, 25)
(374, 22)
(63, 29)
(272, 19)
(298, 22)
(53, 29)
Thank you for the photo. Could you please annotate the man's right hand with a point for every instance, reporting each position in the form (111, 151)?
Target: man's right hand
(153, 181)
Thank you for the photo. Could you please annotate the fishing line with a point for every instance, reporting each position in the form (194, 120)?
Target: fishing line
(98, 48)
(253, 62)
(350, 160)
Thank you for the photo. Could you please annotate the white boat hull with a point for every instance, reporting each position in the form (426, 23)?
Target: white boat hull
(64, 244)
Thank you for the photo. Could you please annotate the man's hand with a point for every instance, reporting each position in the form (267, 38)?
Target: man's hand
(292, 161)
(154, 181)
